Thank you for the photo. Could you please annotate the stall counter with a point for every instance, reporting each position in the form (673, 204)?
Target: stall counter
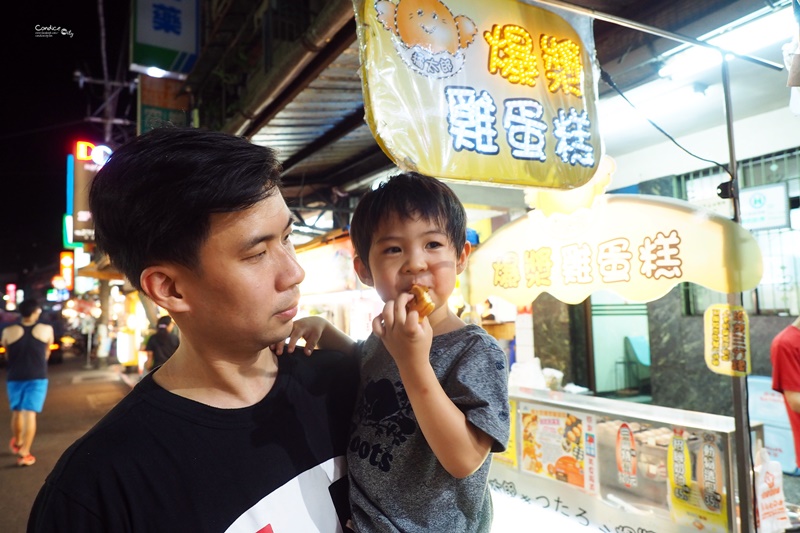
(616, 466)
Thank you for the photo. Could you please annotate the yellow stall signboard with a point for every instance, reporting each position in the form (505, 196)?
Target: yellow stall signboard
(637, 246)
(497, 91)
(727, 339)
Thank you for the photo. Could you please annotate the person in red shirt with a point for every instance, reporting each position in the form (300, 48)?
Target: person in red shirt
(785, 355)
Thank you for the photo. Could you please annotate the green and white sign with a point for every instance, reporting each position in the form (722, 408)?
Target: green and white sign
(165, 36)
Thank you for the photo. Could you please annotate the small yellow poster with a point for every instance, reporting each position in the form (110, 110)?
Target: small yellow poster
(727, 340)
(509, 457)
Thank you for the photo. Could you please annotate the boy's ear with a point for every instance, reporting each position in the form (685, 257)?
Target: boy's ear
(159, 283)
(363, 272)
(461, 262)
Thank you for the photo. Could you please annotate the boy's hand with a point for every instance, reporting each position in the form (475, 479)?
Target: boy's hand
(309, 329)
(406, 338)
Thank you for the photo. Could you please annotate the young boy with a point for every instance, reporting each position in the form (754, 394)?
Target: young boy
(433, 399)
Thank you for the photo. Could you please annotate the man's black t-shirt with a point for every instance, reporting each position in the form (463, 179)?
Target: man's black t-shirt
(161, 462)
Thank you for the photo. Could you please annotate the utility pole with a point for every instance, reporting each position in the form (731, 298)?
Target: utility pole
(111, 92)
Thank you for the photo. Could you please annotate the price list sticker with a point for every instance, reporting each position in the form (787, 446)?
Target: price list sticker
(727, 340)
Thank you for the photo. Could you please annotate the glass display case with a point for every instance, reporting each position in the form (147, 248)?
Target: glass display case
(618, 466)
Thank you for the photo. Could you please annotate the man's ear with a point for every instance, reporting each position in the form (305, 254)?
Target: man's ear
(159, 283)
(363, 272)
(461, 262)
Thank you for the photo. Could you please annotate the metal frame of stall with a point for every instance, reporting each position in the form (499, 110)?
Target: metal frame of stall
(728, 190)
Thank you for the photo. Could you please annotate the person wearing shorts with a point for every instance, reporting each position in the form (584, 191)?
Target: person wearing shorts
(27, 347)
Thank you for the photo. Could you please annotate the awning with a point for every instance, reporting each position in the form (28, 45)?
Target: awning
(100, 271)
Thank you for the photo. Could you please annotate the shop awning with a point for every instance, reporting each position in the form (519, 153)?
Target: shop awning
(102, 270)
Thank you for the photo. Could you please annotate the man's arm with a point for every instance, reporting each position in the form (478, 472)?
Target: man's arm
(793, 400)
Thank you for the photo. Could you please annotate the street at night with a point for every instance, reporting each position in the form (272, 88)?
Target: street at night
(76, 399)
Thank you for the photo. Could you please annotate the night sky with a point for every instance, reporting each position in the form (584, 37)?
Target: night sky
(43, 111)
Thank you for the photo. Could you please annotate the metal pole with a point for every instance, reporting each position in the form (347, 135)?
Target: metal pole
(744, 462)
(88, 364)
(744, 456)
(658, 32)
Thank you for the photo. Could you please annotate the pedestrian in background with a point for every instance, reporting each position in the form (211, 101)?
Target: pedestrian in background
(785, 356)
(162, 344)
(27, 347)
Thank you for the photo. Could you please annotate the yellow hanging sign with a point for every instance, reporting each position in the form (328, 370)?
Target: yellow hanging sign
(637, 246)
(727, 340)
(496, 91)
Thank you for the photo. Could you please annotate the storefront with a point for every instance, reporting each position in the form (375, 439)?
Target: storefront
(331, 288)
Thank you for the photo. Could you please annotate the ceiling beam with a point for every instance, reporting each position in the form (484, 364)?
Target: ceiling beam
(337, 45)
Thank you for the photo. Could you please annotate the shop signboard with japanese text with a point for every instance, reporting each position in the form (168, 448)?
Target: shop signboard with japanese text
(497, 91)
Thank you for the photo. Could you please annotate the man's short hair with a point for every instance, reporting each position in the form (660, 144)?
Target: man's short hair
(28, 307)
(153, 199)
(409, 195)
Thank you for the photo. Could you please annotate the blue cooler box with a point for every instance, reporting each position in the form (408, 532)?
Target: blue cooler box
(767, 406)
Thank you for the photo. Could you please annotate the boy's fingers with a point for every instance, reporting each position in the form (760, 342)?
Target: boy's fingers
(311, 343)
(388, 315)
(378, 326)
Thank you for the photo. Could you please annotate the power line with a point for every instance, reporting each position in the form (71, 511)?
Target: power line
(45, 128)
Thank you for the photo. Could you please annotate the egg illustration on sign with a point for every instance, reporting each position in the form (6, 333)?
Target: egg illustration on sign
(426, 34)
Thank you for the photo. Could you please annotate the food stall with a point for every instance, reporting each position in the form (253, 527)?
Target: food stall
(617, 465)
(331, 288)
(511, 100)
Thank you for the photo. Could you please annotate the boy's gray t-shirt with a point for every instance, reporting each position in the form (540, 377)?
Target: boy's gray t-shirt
(396, 482)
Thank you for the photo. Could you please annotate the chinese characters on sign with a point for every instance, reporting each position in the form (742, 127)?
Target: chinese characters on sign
(727, 339)
(471, 116)
(612, 263)
(637, 246)
(166, 19)
(498, 91)
(165, 37)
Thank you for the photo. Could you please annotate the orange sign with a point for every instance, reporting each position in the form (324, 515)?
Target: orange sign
(495, 91)
(67, 268)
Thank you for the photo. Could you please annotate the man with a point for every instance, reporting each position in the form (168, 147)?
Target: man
(162, 344)
(27, 347)
(224, 436)
(785, 355)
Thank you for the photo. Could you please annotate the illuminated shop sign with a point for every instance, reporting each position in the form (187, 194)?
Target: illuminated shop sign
(67, 269)
(82, 165)
(636, 246)
(493, 91)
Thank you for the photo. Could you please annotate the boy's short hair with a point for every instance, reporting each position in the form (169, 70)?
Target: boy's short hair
(408, 195)
(152, 201)
(28, 307)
